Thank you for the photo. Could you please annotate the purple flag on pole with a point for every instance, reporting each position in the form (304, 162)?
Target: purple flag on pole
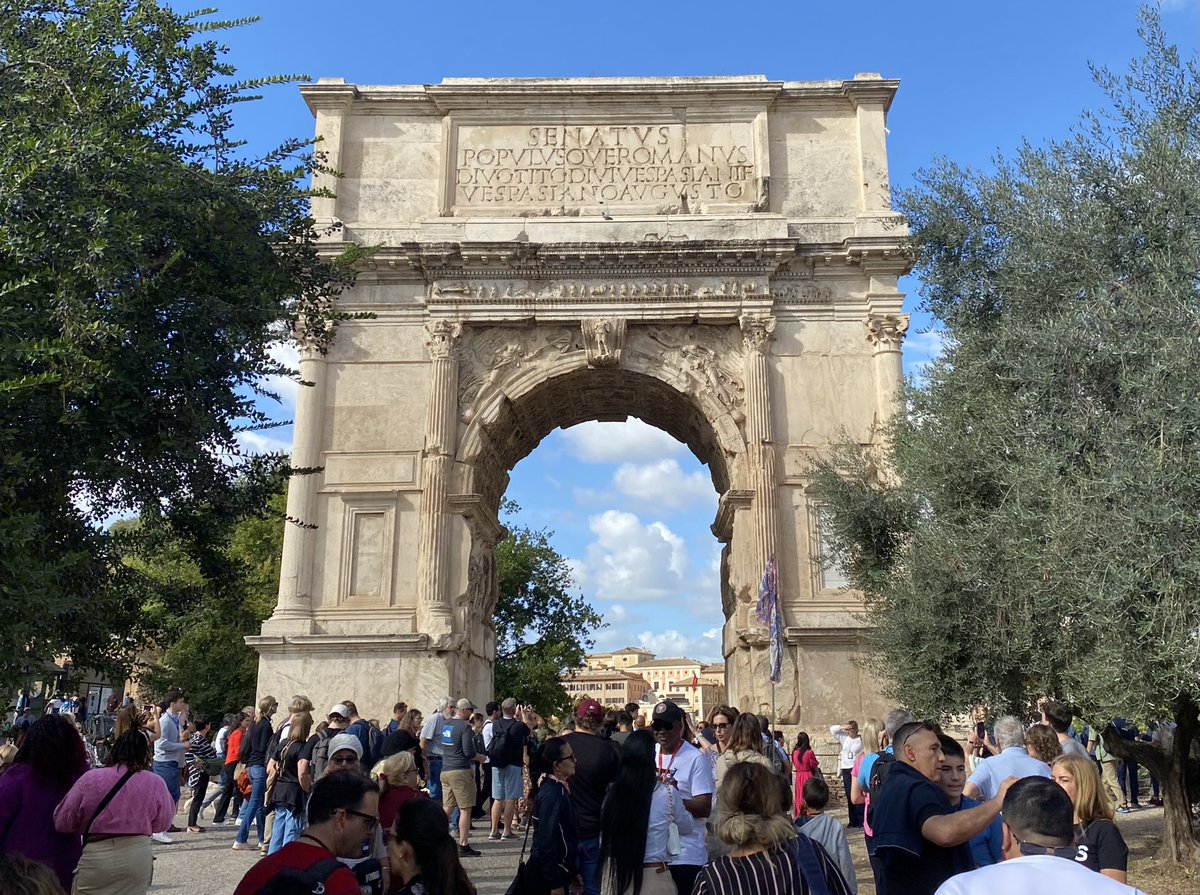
(768, 613)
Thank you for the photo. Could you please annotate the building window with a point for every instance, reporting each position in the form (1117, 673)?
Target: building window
(830, 574)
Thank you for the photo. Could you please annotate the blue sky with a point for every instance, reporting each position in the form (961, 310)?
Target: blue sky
(630, 506)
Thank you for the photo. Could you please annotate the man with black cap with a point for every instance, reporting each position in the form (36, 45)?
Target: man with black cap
(1039, 855)
(684, 768)
(596, 764)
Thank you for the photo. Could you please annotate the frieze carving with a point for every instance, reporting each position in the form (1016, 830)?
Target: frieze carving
(495, 354)
(558, 290)
(476, 291)
(807, 293)
(757, 331)
(886, 331)
(702, 361)
(603, 339)
(443, 337)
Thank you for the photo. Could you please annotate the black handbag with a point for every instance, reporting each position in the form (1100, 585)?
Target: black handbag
(522, 883)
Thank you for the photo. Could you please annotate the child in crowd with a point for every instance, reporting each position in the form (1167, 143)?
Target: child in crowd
(986, 848)
(825, 829)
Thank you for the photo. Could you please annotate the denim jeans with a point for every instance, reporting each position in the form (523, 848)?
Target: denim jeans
(433, 780)
(169, 772)
(254, 809)
(589, 865)
(288, 827)
(228, 791)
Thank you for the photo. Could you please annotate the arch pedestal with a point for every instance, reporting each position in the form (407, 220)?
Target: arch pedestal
(748, 307)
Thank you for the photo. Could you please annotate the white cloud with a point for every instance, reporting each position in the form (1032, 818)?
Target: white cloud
(633, 562)
(287, 387)
(265, 442)
(664, 484)
(595, 442)
(922, 348)
(706, 647)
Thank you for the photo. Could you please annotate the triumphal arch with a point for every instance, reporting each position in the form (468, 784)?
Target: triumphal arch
(716, 256)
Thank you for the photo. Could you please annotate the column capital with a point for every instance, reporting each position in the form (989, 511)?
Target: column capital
(886, 331)
(757, 331)
(443, 337)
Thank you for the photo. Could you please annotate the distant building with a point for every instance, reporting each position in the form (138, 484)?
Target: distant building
(622, 658)
(611, 687)
(635, 675)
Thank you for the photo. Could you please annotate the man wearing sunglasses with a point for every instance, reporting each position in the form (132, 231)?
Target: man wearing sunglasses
(343, 811)
(1040, 857)
(920, 840)
(683, 767)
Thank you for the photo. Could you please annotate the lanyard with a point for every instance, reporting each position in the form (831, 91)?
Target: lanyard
(661, 771)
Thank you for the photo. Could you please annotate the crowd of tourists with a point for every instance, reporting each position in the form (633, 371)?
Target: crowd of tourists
(624, 802)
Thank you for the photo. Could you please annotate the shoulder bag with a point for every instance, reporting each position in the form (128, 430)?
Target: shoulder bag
(522, 884)
(273, 775)
(104, 803)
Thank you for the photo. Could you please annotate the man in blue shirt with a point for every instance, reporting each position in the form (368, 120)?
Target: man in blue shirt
(1012, 761)
(988, 847)
(919, 839)
(896, 719)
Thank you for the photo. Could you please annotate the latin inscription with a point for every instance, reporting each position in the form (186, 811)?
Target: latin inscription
(669, 166)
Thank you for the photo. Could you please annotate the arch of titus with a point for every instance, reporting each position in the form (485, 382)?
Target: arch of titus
(716, 256)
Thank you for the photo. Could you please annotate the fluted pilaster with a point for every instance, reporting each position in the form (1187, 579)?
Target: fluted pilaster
(433, 600)
(757, 332)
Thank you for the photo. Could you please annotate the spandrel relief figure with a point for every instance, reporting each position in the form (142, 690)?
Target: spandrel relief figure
(604, 338)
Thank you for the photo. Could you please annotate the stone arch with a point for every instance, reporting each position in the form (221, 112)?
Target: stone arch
(503, 423)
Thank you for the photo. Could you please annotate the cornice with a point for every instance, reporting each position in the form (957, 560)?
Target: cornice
(455, 94)
(870, 90)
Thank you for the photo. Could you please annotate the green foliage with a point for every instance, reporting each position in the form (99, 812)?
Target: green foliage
(202, 648)
(147, 266)
(543, 630)
(1036, 534)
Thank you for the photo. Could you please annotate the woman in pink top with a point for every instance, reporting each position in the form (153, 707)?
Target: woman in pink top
(116, 852)
(806, 764)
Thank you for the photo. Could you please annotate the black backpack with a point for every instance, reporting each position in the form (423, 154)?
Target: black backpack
(505, 743)
(291, 881)
(880, 768)
(320, 754)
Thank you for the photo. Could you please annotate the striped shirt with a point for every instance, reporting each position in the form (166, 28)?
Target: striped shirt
(771, 872)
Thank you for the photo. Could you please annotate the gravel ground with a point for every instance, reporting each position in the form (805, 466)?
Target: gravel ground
(204, 863)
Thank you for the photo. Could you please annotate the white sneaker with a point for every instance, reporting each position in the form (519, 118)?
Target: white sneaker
(162, 837)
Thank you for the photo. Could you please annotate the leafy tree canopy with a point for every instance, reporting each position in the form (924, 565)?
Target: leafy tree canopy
(148, 263)
(543, 629)
(229, 586)
(1036, 531)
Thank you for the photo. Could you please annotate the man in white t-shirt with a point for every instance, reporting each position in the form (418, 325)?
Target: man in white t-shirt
(1039, 857)
(851, 746)
(683, 766)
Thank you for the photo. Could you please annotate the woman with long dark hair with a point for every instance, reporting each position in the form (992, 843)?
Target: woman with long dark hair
(117, 858)
(804, 760)
(49, 761)
(554, 854)
(422, 856)
(636, 840)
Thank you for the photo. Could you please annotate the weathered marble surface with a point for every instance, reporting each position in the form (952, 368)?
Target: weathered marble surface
(716, 256)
